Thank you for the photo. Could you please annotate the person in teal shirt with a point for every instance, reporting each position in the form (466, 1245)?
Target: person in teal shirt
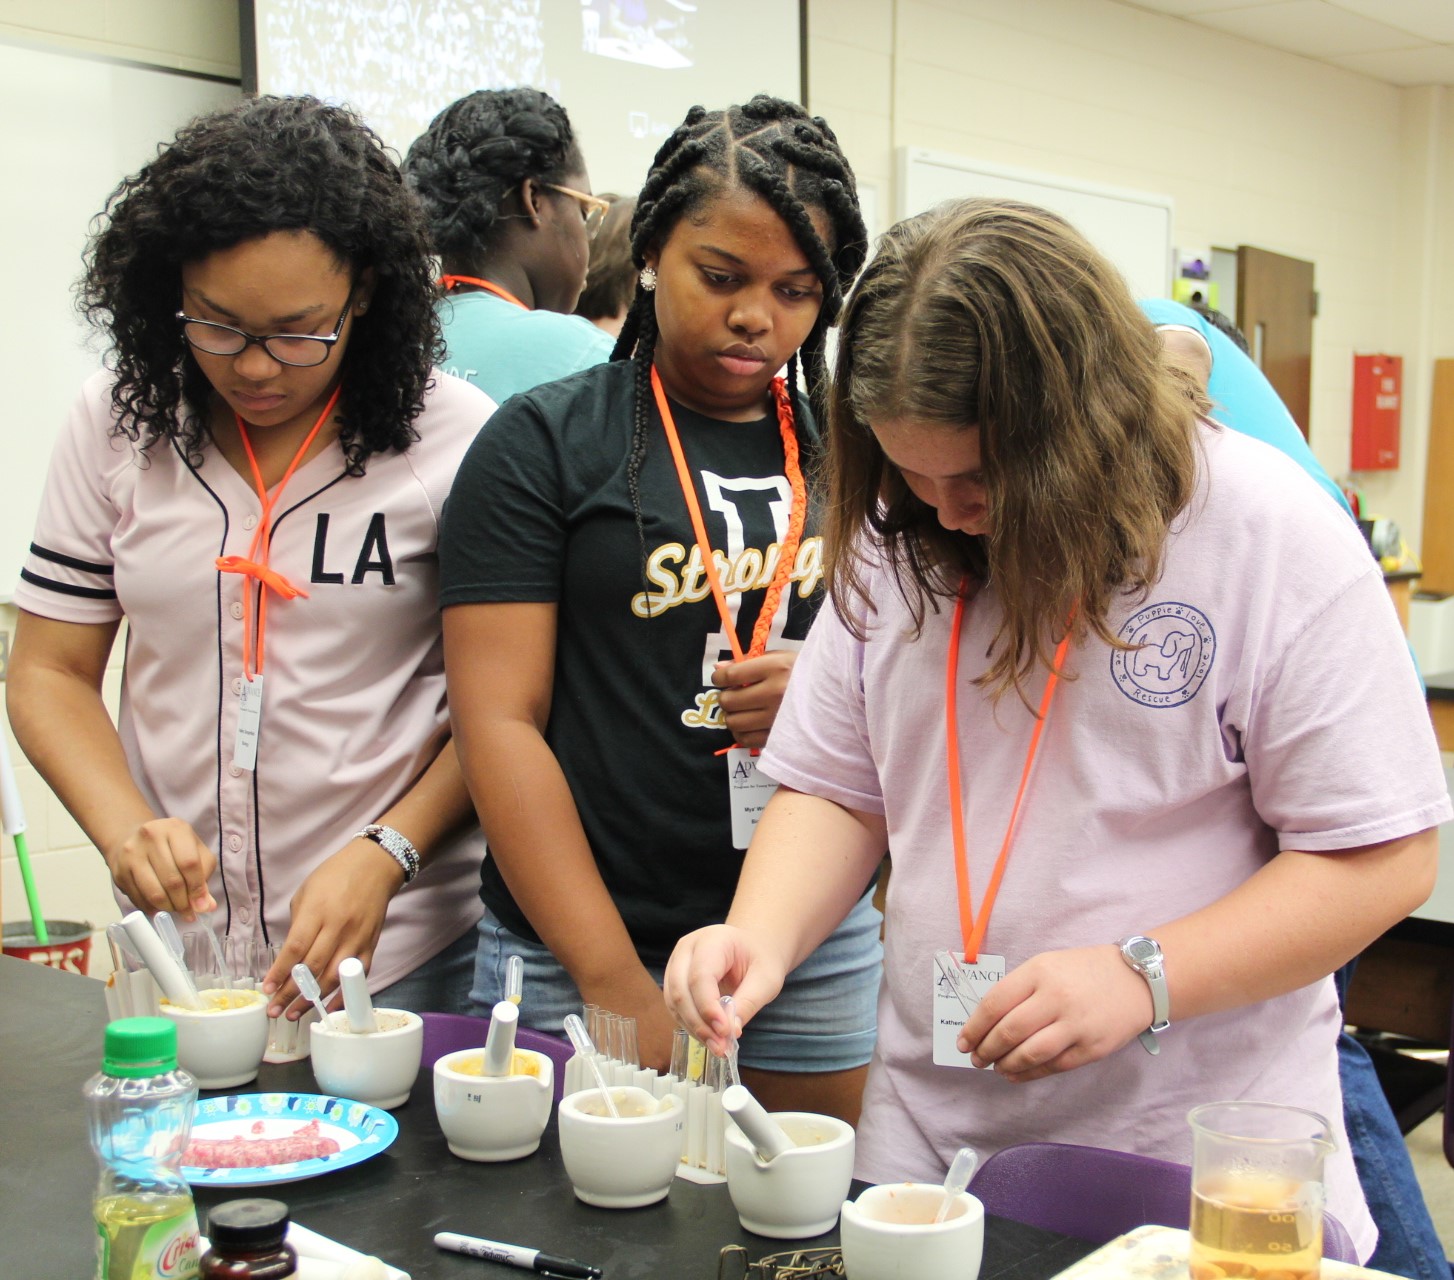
(1242, 397)
(511, 216)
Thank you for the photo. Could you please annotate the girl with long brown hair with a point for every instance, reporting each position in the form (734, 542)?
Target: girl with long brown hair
(1128, 880)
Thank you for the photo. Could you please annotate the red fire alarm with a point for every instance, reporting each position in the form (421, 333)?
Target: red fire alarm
(1377, 397)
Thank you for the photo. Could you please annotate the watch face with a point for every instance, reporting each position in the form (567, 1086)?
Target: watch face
(1141, 950)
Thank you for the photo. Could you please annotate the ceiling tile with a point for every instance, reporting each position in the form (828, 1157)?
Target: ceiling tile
(1432, 64)
(1309, 27)
(1430, 19)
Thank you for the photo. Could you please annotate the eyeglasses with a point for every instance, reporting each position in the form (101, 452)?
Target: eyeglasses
(593, 208)
(302, 350)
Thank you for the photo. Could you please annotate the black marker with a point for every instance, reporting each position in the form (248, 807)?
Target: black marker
(514, 1255)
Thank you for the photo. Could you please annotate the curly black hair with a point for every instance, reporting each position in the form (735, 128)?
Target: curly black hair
(793, 161)
(269, 164)
(474, 153)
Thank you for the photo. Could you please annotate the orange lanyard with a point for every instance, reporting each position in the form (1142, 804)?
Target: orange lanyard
(787, 550)
(255, 564)
(971, 930)
(448, 282)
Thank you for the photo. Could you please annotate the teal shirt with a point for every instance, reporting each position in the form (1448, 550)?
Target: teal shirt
(504, 349)
(1241, 396)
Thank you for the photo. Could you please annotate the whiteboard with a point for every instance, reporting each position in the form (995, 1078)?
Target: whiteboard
(1132, 228)
(78, 125)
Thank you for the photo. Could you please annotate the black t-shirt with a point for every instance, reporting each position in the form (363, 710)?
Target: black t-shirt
(540, 511)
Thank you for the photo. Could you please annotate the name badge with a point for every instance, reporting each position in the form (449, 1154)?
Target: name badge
(958, 989)
(749, 792)
(249, 720)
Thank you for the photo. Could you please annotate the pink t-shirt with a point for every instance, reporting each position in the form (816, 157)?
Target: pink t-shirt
(1273, 707)
(354, 674)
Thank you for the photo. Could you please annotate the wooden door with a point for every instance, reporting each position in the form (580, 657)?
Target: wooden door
(1437, 547)
(1275, 308)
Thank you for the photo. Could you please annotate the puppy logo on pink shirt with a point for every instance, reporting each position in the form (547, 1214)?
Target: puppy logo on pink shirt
(1175, 646)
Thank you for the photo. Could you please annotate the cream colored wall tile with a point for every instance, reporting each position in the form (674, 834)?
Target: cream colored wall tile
(72, 885)
(866, 23)
(847, 75)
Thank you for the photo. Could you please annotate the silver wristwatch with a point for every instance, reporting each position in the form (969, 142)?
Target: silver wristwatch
(1144, 955)
(397, 845)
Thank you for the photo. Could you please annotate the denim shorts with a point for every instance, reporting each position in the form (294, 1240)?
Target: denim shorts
(439, 985)
(822, 1020)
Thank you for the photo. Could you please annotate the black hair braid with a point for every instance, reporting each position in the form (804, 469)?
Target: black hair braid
(640, 427)
(474, 153)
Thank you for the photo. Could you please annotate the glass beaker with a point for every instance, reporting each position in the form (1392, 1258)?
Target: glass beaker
(1257, 1189)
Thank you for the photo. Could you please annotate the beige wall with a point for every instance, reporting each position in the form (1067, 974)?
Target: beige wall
(187, 35)
(1254, 146)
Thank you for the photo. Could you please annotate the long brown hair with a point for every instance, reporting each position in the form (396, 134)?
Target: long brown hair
(1001, 316)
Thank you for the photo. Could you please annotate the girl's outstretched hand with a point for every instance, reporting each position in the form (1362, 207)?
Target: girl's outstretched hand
(1058, 1011)
(720, 959)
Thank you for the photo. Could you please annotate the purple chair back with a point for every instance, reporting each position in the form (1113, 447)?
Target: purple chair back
(449, 1032)
(1096, 1194)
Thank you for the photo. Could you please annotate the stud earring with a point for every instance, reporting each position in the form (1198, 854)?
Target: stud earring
(648, 279)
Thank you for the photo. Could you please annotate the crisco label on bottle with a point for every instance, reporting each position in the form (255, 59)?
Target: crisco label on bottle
(150, 1238)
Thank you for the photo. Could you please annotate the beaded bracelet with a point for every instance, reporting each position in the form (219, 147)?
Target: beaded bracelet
(397, 845)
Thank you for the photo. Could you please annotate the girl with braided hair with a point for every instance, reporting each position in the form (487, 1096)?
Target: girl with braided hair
(254, 485)
(511, 218)
(631, 561)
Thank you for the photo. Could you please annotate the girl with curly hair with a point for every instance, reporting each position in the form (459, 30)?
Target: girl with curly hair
(511, 216)
(631, 559)
(1105, 676)
(254, 485)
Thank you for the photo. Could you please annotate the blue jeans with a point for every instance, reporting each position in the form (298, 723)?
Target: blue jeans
(824, 1019)
(1408, 1245)
(440, 985)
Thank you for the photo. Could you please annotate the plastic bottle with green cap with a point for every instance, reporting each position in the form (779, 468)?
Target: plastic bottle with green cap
(140, 1108)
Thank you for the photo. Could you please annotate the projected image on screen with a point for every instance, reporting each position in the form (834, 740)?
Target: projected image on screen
(632, 32)
(625, 70)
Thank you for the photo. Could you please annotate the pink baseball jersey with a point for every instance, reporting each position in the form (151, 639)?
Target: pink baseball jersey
(354, 673)
(1269, 704)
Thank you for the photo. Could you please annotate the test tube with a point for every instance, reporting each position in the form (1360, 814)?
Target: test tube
(680, 1049)
(731, 1055)
(630, 1052)
(515, 979)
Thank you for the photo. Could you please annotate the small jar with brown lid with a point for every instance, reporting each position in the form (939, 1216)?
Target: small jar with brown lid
(247, 1242)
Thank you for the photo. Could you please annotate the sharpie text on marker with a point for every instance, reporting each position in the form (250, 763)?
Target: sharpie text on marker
(514, 1255)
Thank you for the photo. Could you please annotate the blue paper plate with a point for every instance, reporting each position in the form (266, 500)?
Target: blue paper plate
(361, 1132)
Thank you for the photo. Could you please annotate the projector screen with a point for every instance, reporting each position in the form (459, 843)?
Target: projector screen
(626, 71)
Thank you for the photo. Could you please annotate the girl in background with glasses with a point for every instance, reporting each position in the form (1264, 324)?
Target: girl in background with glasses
(511, 217)
(253, 485)
(607, 695)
